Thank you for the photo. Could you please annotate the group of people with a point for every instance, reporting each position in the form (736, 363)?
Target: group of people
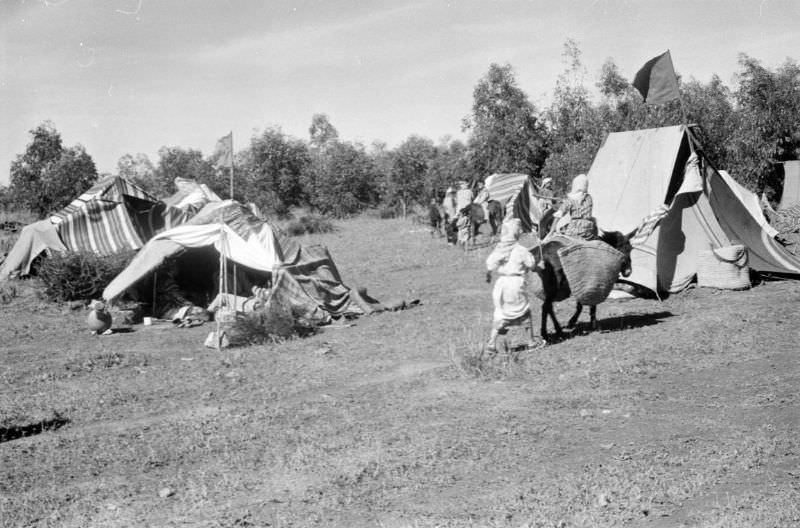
(511, 261)
(448, 216)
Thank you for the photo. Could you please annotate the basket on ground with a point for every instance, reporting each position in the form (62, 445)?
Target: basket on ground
(724, 268)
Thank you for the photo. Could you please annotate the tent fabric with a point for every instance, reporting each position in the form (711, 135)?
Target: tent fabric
(791, 184)
(635, 172)
(100, 219)
(33, 240)
(151, 219)
(110, 189)
(191, 195)
(304, 277)
(313, 271)
(113, 216)
(227, 226)
(515, 193)
(751, 202)
(101, 226)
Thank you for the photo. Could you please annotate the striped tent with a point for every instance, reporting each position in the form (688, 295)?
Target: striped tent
(515, 192)
(111, 217)
(99, 221)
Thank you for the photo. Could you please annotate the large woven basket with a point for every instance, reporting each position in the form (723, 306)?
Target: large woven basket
(724, 268)
(591, 268)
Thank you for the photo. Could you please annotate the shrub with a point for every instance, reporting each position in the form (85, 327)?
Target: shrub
(308, 224)
(274, 322)
(82, 275)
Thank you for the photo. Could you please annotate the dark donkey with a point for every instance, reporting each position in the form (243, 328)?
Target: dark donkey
(554, 281)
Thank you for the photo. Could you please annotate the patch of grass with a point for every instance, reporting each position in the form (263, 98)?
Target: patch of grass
(398, 420)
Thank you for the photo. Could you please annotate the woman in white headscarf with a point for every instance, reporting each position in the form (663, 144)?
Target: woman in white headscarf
(449, 204)
(578, 204)
(511, 260)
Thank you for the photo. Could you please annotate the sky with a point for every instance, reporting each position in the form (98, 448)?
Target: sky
(130, 76)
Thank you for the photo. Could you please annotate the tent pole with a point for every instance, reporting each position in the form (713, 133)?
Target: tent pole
(155, 281)
(218, 339)
(231, 167)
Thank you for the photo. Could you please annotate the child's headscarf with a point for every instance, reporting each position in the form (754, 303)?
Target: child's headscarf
(580, 186)
(510, 232)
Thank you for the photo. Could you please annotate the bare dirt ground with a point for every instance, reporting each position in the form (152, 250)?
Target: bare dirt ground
(679, 413)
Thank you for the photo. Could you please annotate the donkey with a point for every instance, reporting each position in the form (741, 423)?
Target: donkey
(554, 280)
(474, 212)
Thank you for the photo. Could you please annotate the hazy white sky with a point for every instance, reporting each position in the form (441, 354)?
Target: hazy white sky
(129, 76)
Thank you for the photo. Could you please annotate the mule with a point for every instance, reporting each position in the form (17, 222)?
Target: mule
(554, 281)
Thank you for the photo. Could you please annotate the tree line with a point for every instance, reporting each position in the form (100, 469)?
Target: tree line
(747, 129)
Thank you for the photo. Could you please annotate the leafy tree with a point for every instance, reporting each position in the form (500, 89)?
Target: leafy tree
(47, 176)
(139, 170)
(409, 166)
(506, 135)
(177, 162)
(612, 84)
(450, 163)
(274, 170)
(322, 132)
(575, 130)
(341, 179)
(710, 106)
(767, 127)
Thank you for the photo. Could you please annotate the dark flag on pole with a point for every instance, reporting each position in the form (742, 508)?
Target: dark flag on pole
(656, 81)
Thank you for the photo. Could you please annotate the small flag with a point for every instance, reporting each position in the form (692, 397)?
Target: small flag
(656, 81)
(224, 152)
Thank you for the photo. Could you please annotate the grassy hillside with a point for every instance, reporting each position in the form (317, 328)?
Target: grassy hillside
(680, 413)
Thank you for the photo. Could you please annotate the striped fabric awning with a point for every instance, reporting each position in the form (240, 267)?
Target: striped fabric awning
(112, 189)
(505, 187)
(100, 220)
(102, 227)
(516, 193)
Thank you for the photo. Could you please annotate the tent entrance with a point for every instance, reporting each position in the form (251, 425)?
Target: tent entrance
(192, 277)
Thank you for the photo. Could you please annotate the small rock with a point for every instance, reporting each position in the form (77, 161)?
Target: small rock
(603, 500)
(585, 413)
(166, 492)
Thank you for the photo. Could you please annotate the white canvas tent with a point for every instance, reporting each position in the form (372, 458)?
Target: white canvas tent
(750, 200)
(635, 172)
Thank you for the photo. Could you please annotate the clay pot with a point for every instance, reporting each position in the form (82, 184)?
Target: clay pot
(99, 320)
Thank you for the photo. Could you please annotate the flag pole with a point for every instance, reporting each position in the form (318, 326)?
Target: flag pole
(231, 166)
(234, 264)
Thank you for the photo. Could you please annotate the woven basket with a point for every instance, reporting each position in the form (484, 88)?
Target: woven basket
(724, 268)
(591, 269)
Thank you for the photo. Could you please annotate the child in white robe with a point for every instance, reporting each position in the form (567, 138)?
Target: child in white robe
(511, 260)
